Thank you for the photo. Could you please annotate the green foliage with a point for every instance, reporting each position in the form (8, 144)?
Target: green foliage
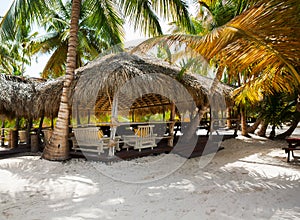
(260, 55)
(100, 27)
(17, 52)
(278, 108)
(144, 14)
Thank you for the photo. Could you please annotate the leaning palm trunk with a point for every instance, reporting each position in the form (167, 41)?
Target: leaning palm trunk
(57, 148)
(263, 129)
(253, 127)
(191, 130)
(290, 130)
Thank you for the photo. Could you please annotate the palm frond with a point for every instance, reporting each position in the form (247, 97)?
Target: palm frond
(141, 15)
(105, 19)
(22, 13)
(264, 41)
(55, 66)
(145, 13)
(177, 10)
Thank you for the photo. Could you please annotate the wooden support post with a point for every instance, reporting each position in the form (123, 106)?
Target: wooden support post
(89, 117)
(172, 125)
(52, 122)
(228, 117)
(14, 134)
(13, 138)
(17, 125)
(41, 124)
(2, 132)
(77, 115)
(28, 137)
(113, 126)
(132, 115)
(210, 122)
(39, 131)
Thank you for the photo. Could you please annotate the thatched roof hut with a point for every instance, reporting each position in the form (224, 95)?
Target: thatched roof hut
(142, 84)
(29, 97)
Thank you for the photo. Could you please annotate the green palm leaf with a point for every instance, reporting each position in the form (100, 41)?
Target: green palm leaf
(20, 13)
(263, 41)
(145, 13)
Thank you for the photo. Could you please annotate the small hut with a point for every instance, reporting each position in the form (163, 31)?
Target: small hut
(129, 85)
(28, 98)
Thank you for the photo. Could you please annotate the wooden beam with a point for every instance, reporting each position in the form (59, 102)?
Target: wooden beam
(77, 114)
(2, 132)
(132, 115)
(89, 116)
(171, 126)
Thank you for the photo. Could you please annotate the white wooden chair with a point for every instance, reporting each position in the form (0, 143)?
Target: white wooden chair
(143, 138)
(88, 139)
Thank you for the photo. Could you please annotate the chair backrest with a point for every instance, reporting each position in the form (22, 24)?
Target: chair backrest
(144, 131)
(87, 135)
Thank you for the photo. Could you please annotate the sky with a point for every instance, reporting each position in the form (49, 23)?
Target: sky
(38, 63)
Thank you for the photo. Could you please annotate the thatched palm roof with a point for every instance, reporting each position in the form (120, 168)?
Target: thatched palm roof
(142, 84)
(29, 97)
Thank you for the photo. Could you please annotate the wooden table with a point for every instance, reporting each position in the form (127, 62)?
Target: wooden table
(293, 144)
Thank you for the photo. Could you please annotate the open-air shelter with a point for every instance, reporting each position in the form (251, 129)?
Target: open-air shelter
(121, 85)
(129, 85)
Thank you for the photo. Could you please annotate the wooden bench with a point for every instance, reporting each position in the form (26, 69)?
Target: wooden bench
(89, 139)
(293, 144)
(143, 138)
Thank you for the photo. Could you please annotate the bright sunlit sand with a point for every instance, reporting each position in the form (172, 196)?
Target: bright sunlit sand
(249, 179)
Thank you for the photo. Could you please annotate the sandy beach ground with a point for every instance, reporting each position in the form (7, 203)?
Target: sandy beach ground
(248, 179)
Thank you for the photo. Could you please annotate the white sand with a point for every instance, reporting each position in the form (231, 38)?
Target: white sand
(249, 179)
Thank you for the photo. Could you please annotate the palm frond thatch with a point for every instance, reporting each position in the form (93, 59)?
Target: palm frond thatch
(142, 84)
(29, 97)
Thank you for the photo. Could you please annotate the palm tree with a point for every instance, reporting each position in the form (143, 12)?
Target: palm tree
(94, 37)
(216, 13)
(262, 43)
(58, 148)
(20, 51)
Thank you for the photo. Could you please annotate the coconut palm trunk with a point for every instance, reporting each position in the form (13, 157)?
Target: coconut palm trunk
(253, 127)
(290, 130)
(263, 129)
(244, 121)
(57, 148)
(228, 117)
